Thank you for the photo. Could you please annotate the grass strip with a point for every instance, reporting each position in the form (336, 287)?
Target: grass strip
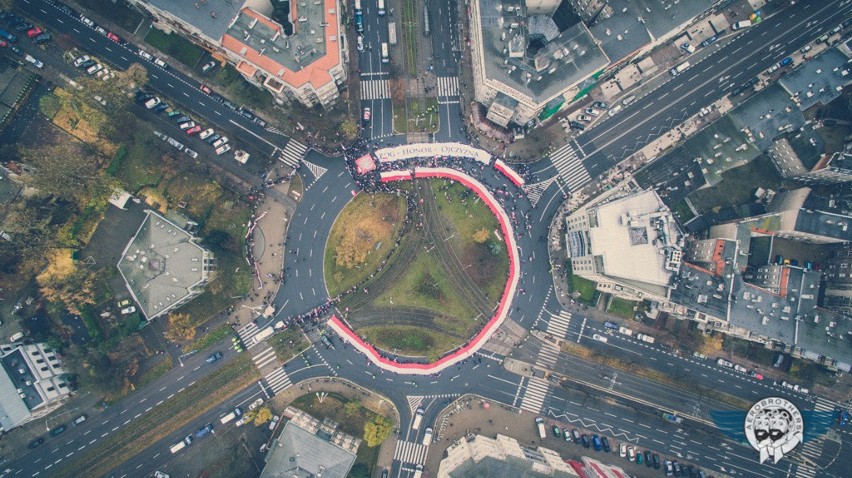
(214, 336)
(163, 420)
(288, 344)
(154, 373)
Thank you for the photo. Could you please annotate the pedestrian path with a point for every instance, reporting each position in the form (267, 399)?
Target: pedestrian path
(317, 171)
(374, 89)
(570, 167)
(292, 153)
(408, 452)
(247, 333)
(547, 356)
(558, 324)
(264, 357)
(535, 190)
(534, 395)
(277, 380)
(448, 86)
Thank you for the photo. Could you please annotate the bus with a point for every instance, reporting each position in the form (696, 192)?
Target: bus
(418, 417)
(358, 10)
(392, 33)
(385, 58)
(426, 20)
(381, 7)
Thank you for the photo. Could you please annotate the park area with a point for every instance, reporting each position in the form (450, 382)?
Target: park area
(436, 288)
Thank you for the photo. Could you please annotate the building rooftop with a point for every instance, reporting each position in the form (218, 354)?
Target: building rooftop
(15, 405)
(211, 17)
(636, 239)
(304, 57)
(767, 114)
(819, 79)
(802, 210)
(501, 457)
(537, 55)
(635, 23)
(301, 454)
(162, 265)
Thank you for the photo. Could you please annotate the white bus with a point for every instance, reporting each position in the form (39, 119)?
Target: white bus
(385, 58)
(418, 417)
(392, 33)
(357, 7)
(381, 7)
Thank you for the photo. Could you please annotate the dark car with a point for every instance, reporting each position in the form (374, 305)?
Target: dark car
(556, 431)
(690, 470)
(649, 460)
(182, 119)
(843, 418)
(576, 125)
(43, 38)
(229, 105)
(709, 41)
(66, 10)
(259, 122)
(35, 443)
(160, 107)
(676, 468)
(596, 443)
(86, 64)
(656, 461)
(585, 439)
(639, 458)
(16, 50)
(212, 139)
(737, 91)
(217, 97)
(605, 444)
(599, 104)
(20, 27)
(57, 431)
(384, 473)
(216, 356)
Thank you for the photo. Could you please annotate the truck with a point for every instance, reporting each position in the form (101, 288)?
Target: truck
(177, 446)
(679, 69)
(539, 423)
(625, 331)
(385, 57)
(8, 36)
(381, 5)
(227, 418)
(426, 20)
(204, 431)
(672, 418)
(741, 24)
(418, 417)
(418, 471)
(427, 437)
(392, 33)
(645, 338)
(263, 334)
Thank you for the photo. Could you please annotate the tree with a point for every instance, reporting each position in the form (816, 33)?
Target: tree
(349, 128)
(352, 408)
(359, 470)
(63, 282)
(480, 236)
(263, 415)
(180, 327)
(49, 105)
(377, 430)
(62, 169)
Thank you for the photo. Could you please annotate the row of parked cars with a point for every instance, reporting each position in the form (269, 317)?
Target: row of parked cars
(56, 432)
(185, 123)
(92, 67)
(588, 115)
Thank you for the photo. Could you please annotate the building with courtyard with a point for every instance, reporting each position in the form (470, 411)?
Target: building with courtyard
(301, 60)
(531, 57)
(309, 447)
(32, 383)
(628, 243)
(163, 266)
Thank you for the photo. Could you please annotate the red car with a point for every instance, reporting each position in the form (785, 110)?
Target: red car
(112, 36)
(34, 32)
(195, 129)
(205, 89)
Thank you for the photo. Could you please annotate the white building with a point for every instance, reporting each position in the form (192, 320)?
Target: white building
(501, 457)
(32, 383)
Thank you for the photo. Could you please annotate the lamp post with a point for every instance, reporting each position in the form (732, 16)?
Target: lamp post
(180, 358)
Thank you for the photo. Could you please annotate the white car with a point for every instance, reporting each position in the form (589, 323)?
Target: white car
(191, 153)
(274, 422)
(128, 310)
(592, 111)
(144, 54)
(600, 338)
(622, 450)
(360, 43)
(220, 141)
(161, 63)
(36, 63)
(206, 133)
(631, 454)
(81, 60)
(256, 403)
(223, 149)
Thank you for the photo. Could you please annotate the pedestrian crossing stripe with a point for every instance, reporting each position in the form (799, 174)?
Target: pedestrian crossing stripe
(448, 86)
(534, 395)
(548, 355)
(570, 167)
(824, 405)
(248, 332)
(374, 89)
(264, 357)
(414, 402)
(408, 452)
(535, 190)
(292, 153)
(317, 171)
(557, 326)
(277, 380)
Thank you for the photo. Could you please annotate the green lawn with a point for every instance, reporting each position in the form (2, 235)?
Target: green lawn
(408, 38)
(175, 46)
(682, 212)
(138, 163)
(288, 343)
(240, 91)
(621, 308)
(586, 289)
(421, 117)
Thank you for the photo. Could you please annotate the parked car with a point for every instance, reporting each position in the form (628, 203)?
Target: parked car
(125, 302)
(57, 431)
(605, 444)
(214, 357)
(43, 38)
(600, 105)
(223, 149)
(34, 32)
(162, 64)
(208, 66)
(575, 434)
(36, 63)
(220, 141)
(584, 118)
(631, 454)
(144, 54)
(556, 431)
(191, 153)
(650, 460)
(112, 36)
(585, 439)
(35, 443)
(256, 404)
(274, 422)
(367, 115)
(212, 139)
(186, 125)
(622, 450)
(160, 107)
(576, 125)
(16, 50)
(592, 111)
(259, 122)
(87, 21)
(195, 129)
(206, 89)
(128, 310)
(596, 443)
(709, 41)
(206, 133)
(182, 119)
(79, 61)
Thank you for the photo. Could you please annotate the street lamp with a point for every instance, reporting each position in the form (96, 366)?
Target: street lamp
(180, 358)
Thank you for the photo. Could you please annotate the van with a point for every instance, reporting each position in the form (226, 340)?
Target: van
(79, 420)
(614, 110)
(418, 417)
(742, 24)
(611, 325)
(159, 62)
(427, 437)
(16, 337)
(627, 101)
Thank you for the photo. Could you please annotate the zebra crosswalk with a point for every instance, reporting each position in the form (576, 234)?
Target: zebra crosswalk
(535, 190)
(277, 380)
(317, 171)
(558, 324)
(547, 356)
(812, 449)
(292, 153)
(534, 395)
(247, 333)
(374, 89)
(408, 452)
(570, 167)
(264, 357)
(448, 86)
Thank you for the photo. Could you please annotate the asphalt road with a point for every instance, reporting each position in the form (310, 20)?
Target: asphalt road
(730, 65)
(375, 92)
(444, 35)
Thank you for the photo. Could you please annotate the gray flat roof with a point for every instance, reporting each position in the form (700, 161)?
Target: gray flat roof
(772, 101)
(817, 80)
(212, 17)
(15, 409)
(162, 265)
(298, 453)
(570, 57)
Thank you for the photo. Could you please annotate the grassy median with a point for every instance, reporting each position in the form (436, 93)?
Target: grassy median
(163, 420)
